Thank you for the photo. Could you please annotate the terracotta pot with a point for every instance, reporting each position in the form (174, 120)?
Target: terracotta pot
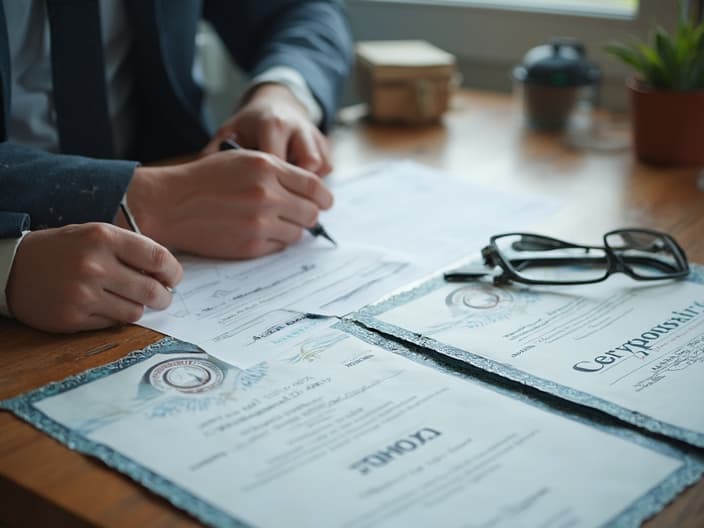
(668, 126)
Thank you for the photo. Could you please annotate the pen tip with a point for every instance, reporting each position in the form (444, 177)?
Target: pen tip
(319, 230)
(326, 236)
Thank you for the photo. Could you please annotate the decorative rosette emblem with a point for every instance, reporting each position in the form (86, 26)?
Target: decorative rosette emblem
(185, 375)
(477, 297)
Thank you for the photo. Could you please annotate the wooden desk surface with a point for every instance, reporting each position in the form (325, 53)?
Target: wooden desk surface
(45, 483)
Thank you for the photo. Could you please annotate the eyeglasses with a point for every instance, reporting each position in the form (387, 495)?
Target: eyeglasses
(642, 254)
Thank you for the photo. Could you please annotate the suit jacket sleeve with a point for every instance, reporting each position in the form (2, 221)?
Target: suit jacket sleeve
(311, 37)
(52, 190)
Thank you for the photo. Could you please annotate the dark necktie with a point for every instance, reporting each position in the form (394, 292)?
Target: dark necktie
(78, 75)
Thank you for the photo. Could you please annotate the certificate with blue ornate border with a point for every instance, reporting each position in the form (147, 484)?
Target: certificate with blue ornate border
(344, 428)
(631, 349)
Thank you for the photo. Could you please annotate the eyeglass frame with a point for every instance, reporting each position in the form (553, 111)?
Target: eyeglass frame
(494, 257)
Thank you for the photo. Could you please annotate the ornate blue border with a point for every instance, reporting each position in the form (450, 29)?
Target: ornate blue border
(23, 407)
(367, 317)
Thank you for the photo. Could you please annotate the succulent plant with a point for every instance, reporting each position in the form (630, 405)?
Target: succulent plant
(671, 61)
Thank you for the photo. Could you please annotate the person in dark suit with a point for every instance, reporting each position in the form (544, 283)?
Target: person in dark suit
(69, 137)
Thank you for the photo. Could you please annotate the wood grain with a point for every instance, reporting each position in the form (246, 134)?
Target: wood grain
(480, 141)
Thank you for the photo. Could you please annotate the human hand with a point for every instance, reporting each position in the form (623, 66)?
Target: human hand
(88, 276)
(272, 120)
(232, 204)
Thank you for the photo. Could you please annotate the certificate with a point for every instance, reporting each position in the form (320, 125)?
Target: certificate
(338, 431)
(632, 349)
(226, 307)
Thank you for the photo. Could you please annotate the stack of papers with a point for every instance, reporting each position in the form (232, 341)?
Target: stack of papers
(395, 223)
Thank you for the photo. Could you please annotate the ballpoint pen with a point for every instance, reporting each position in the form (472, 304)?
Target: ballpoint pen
(316, 230)
(132, 223)
(128, 216)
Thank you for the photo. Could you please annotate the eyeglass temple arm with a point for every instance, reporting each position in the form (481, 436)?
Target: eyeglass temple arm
(465, 274)
(474, 271)
(529, 242)
(536, 243)
(520, 264)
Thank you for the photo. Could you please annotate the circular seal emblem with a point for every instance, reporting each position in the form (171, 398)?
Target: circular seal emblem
(186, 375)
(477, 297)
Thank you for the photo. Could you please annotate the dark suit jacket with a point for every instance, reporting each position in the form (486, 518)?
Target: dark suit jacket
(309, 36)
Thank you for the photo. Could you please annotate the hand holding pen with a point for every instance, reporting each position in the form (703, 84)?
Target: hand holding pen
(316, 230)
(227, 206)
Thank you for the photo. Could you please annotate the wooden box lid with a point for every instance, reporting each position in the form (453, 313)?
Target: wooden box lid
(394, 60)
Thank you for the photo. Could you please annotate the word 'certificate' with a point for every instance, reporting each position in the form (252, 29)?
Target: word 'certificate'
(620, 345)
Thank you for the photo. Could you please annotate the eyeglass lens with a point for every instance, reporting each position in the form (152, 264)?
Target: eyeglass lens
(537, 258)
(647, 255)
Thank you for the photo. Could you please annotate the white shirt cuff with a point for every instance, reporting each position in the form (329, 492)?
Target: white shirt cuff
(8, 249)
(295, 82)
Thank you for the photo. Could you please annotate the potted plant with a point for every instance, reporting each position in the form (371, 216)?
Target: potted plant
(667, 95)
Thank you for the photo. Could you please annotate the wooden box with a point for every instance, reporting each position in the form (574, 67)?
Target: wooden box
(405, 81)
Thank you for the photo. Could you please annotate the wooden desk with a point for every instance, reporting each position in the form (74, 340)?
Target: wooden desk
(44, 483)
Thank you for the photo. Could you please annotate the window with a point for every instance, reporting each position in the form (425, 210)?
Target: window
(604, 8)
(490, 37)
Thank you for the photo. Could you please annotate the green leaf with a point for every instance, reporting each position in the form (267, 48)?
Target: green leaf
(695, 63)
(655, 71)
(699, 41)
(627, 54)
(695, 80)
(669, 56)
(672, 61)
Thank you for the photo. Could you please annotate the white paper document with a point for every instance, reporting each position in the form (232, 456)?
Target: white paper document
(227, 307)
(395, 223)
(638, 346)
(415, 210)
(335, 431)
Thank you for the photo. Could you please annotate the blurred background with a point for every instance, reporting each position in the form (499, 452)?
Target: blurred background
(487, 38)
